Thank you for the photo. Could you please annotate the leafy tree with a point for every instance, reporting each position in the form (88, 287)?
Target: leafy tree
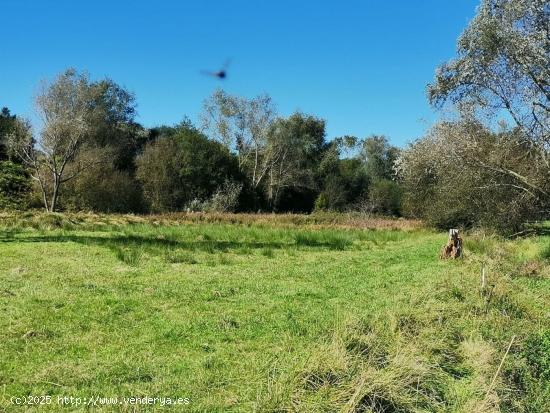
(379, 157)
(7, 125)
(295, 146)
(101, 186)
(385, 197)
(66, 110)
(108, 183)
(242, 125)
(178, 168)
(114, 124)
(14, 180)
(343, 180)
(78, 116)
(503, 66)
(158, 172)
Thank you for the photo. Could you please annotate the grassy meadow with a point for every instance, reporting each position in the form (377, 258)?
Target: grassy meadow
(266, 313)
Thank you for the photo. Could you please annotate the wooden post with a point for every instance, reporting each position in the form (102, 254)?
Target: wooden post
(453, 248)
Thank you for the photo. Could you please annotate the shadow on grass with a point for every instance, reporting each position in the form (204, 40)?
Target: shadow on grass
(128, 248)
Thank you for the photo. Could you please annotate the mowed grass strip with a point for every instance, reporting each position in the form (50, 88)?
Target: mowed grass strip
(254, 317)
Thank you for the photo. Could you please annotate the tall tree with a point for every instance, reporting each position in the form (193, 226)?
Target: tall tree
(503, 66)
(14, 179)
(67, 108)
(182, 166)
(293, 152)
(503, 63)
(446, 185)
(108, 183)
(114, 124)
(379, 157)
(242, 125)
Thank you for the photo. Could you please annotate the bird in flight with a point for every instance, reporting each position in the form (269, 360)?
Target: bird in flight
(220, 74)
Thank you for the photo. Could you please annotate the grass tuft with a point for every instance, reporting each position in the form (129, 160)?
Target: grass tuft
(129, 256)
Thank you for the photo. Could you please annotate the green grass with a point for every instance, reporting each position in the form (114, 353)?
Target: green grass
(240, 315)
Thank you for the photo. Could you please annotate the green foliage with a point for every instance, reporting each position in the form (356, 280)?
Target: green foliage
(225, 198)
(501, 68)
(545, 253)
(176, 169)
(321, 203)
(385, 197)
(502, 64)
(6, 126)
(379, 157)
(462, 174)
(537, 353)
(295, 146)
(14, 186)
(101, 187)
(343, 181)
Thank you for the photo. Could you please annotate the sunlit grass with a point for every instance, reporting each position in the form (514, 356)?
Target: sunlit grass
(249, 316)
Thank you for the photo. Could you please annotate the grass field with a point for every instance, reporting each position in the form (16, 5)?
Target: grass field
(270, 314)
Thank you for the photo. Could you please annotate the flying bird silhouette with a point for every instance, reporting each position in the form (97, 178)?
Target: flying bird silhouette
(220, 74)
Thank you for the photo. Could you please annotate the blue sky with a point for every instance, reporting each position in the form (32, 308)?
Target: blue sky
(361, 65)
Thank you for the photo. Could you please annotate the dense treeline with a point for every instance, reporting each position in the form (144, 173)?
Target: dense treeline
(91, 154)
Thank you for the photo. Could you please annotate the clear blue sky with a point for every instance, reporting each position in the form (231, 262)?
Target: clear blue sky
(361, 65)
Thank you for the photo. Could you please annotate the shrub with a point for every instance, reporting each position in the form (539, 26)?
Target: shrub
(385, 197)
(321, 203)
(102, 187)
(226, 198)
(176, 170)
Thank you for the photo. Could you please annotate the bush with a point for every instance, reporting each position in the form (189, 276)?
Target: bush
(385, 197)
(101, 187)
(226, 197)
(175, 170)
(321, 203)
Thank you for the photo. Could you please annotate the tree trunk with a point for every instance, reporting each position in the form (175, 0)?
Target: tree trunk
(453, 248)
(55, 193)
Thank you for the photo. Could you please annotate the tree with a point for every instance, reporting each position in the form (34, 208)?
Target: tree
(446, 183)
(379, 157)
(180, 167)
(158, 172)
(385, 197)
(114, 125)
(66, 110)
(77, 116)
(108, 183)
(101, 186)
(294, 150)
(503, 66)
(14, 179)
(242, 125)
(342, 175)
